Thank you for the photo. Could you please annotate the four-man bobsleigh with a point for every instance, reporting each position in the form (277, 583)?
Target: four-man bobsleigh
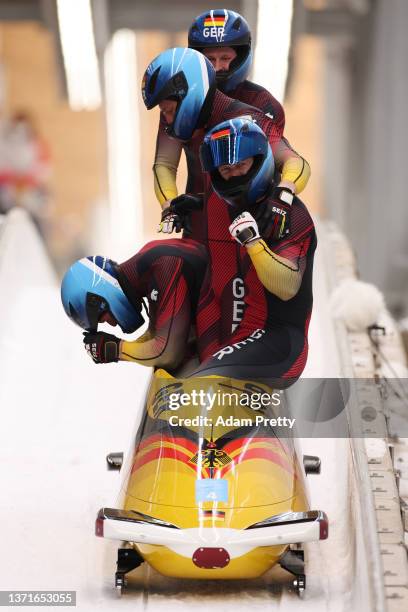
(210, 500)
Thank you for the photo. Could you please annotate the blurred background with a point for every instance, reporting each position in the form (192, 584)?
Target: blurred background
(77, 144)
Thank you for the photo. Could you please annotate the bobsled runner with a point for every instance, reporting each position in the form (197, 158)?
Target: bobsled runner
(212, 489)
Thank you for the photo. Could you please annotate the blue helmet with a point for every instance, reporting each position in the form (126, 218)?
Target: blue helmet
(223, 28)
(90, 288)
(186, 76)
(229, 143)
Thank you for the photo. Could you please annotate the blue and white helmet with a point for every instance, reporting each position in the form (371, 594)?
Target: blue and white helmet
(224, 28)
(91, 288)
(186, 76)
(229, 143)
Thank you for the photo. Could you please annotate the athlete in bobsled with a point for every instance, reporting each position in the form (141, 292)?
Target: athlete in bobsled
(167, 275)
(183, 83)
(205, 494)
(259, 288)
(216, 490)
(224, 37)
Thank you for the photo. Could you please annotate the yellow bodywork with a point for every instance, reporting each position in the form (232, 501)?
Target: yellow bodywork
(263, 474)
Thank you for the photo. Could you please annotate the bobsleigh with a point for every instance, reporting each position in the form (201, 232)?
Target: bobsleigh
(211, 489)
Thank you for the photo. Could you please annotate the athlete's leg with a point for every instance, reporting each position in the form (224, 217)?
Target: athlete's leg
(275, 357)
(169, 274)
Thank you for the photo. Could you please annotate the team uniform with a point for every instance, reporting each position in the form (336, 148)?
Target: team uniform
(256, 95)
(244, 329)
(215, 29)
(292, 166)
(168, 150)
(271, 342)
(169, 273)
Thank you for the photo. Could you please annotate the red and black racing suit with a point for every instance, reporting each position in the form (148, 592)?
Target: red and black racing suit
(292, 166)
(168, 150)
(258, 96)
(245, 330)
(229, 262)
(169, 273)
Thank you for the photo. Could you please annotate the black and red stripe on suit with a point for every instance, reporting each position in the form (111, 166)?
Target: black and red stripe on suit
(258, 96)
(169, 273)
(234, 303)
(224, 108)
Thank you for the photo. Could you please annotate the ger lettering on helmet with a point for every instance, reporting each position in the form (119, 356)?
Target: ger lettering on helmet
(186, 76)
(223, 28)
(230, 143)
(90, 288)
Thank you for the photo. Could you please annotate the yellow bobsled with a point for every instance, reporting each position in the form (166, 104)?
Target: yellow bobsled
(214, 487)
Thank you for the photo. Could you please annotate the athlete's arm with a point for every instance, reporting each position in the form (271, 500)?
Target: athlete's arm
(279, 275)
(294, 169)
(166, 161)
(280, 264)
(165, 341)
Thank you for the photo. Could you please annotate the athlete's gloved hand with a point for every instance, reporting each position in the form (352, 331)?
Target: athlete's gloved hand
(176, 216)
(244, 229)
(273, 215)
(170, 222)
(102, 347)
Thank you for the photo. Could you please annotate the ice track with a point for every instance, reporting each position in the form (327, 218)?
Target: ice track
(60, 417)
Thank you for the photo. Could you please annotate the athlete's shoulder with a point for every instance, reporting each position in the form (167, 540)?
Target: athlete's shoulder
(259, 96)
(299, 208)
(251, 87)
(301, 220)
(225, 108)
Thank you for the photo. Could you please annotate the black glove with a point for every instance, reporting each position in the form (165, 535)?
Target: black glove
(169, 222)
(176, 216)
(185, 203)
(102, 347)
(273, 214)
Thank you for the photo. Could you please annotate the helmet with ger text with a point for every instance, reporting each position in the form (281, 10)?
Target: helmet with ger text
(223, 28)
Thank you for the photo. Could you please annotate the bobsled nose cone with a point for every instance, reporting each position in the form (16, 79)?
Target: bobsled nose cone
(211, 558)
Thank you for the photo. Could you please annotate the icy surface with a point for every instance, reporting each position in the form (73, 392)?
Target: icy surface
(61, 415)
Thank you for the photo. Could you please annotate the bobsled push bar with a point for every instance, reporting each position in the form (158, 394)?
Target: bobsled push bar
(286, 528)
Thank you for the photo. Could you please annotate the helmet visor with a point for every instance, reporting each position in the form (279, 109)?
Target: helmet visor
(224, 147)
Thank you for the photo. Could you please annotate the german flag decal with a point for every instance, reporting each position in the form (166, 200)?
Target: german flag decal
(211, 514)
(221, 134)
(215, 21)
